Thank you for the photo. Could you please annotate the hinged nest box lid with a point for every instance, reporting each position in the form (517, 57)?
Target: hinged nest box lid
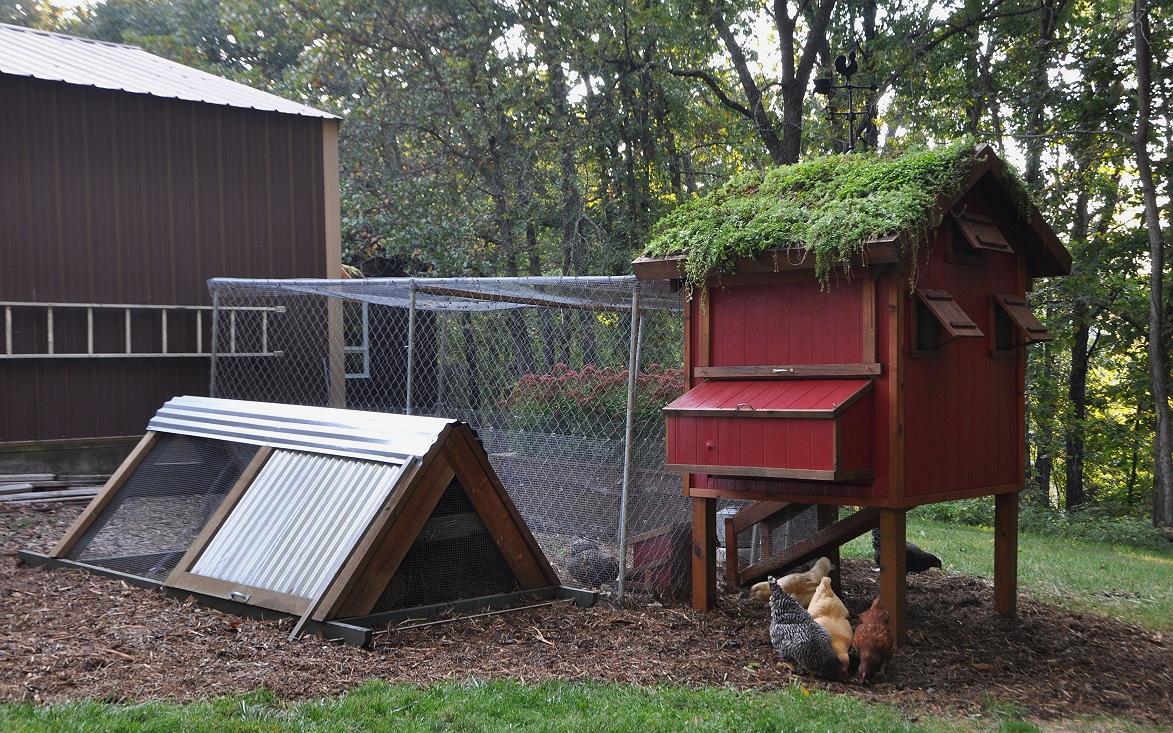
(807, 429)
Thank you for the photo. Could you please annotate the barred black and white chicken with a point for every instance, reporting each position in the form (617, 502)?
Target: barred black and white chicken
(798, 639)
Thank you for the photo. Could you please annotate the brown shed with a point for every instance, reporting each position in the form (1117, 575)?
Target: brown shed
(126, 182)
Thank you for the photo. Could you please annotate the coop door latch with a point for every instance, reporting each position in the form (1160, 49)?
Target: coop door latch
(238, 596)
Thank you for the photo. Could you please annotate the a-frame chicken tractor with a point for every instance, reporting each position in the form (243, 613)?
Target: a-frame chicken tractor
(869, 352)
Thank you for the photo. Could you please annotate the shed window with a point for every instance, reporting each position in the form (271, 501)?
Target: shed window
(982, 233)
(937, 312)
(357, 334)
(1014, 312)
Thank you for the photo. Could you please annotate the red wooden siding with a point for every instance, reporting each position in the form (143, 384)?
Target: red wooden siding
(792, 322)
(110, 197)
(961, 429)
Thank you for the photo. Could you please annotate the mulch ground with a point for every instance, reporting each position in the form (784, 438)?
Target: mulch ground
(69, 634)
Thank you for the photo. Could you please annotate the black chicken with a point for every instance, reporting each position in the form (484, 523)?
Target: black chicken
(916, 560)
(589, 565)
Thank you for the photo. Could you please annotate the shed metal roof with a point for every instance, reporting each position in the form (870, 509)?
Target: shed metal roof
(118, 67)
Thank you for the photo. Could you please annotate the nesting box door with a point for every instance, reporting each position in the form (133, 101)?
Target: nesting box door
(808, 429)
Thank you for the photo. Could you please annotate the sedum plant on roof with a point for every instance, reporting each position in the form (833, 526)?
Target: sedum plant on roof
(829, 206)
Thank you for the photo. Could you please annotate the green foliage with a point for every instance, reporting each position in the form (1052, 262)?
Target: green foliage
(584, 401)
(486, 706)
(1092, 524)
(1122, 582)
(830, 206)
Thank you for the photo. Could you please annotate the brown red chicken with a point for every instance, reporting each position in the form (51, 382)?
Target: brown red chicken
(873, 640)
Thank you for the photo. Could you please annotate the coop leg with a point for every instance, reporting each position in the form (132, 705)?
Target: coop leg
(704, 553)
(892, 569)
(1006, 554)
(828, 514)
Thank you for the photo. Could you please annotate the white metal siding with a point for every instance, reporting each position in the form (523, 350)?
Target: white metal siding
(119, 67)
(297, 522)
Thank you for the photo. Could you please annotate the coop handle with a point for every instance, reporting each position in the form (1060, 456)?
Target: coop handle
(784, 370)
(238, 596)
(744, 406)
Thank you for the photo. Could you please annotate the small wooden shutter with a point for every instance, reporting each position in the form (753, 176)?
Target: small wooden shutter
(982, 232)
(1015, 306)
(954, 320)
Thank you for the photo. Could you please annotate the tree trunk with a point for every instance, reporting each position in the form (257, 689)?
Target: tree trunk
(1049, 14)
(1077, 394)
(1158, 355)
(1080, 331)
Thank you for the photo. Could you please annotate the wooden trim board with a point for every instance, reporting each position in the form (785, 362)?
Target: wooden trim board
(802, 474)
(791, 371)
(227, 504)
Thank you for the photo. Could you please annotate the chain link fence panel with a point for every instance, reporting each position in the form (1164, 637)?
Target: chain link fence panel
(538, 366)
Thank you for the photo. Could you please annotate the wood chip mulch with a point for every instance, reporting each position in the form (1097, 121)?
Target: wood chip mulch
(69, 634)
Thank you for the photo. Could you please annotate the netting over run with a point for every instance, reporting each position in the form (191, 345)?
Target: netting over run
(538, 366)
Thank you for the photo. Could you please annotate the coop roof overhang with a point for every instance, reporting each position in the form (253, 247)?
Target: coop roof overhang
(1017, 217)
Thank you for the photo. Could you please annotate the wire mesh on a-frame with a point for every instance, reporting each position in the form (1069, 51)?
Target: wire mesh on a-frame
(538, 366)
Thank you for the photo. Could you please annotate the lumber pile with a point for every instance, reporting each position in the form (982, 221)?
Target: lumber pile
(21, 489)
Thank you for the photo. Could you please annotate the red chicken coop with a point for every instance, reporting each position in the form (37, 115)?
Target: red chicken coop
(889, 378)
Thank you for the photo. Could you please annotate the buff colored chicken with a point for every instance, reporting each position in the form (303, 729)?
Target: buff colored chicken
(800, 586)
(830, 613)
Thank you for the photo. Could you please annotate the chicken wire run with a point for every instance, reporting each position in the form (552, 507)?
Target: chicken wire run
(562, 378)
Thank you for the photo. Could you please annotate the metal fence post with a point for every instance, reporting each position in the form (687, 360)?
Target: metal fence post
(628, 432)
(410, 343)
(215, 340)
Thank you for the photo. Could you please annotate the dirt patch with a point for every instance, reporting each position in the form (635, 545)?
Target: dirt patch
(69, 634)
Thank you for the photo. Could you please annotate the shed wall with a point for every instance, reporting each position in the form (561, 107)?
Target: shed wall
(109, 197)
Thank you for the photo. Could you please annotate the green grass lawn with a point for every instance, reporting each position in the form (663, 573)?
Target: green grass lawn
(502, 706)
(1118, 581)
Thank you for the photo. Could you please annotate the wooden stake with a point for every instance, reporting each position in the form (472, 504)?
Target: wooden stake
(704, 553)
(892, 569)
(1006, 554)
(828, 514)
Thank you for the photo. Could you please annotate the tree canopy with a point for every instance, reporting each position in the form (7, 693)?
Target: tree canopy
(537, 137)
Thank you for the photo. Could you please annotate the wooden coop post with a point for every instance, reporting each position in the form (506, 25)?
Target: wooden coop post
(828, 514)
(892, 569)
(704, 553)
(1006, 554)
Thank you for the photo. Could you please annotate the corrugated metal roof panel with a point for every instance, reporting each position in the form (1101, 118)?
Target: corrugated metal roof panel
(374, 436)
(748, 395)
(297, 522)
(114, 66)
